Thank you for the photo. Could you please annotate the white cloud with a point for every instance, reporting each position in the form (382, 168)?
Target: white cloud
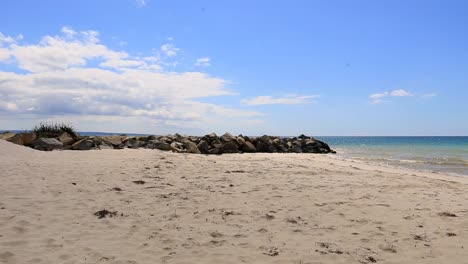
(75, 77)
(203, 62)
(400, 92)
(378, 95)
(4, 54)
(169, 50)
(288, 100)
(377, 98)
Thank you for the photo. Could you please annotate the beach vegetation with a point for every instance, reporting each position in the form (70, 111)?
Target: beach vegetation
(53, 130)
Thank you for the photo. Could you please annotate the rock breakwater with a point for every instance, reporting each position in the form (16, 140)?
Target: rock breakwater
(208, 144)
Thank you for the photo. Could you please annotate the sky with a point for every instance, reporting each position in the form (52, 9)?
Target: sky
(334, 68)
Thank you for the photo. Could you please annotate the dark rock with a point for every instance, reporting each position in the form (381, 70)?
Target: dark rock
(216, 144)
(163, 146)
(152, 137)
(249, 147)
(216, 151)
(262, 146)
(131, 143)
(272, 149)
(84, 144)
(296, 149)
(47, 144)
(143, 138)
(230, 147)
(203, 147)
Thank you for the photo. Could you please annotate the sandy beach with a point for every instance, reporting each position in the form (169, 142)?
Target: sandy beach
(164, 207)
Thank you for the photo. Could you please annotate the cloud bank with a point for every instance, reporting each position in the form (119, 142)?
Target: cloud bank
(73, 76)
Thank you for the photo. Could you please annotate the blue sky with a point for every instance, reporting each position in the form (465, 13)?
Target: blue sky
(251, 67)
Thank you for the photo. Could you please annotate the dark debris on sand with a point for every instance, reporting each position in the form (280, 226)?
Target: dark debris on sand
(105, 213)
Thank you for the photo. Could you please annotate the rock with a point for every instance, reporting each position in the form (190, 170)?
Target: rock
(230, 147)
(162, 146)
(203, 147)
(115, 141)
(16, 139)
(302, 136)
(143, 138)
(248, 147)
(272, 149)
(296, 149)
(177, 147)
(84, 144)
(240, 141)
(216, 151)
(227, 137)
(166, 139)
(213, 136)
(216, 144)
(104, 145)
(262, 146)
(66, 139)
(28, 138)
(47, 144)
(191, 147)
(131, 143)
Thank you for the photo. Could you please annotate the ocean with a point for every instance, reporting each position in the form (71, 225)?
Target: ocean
(430, 153)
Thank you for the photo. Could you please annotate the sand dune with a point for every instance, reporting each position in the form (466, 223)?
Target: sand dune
(164, 207)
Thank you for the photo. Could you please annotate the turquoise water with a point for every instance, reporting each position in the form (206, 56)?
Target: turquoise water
(440, 154)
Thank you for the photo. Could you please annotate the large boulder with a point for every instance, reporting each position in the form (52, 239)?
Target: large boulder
(66, 139)
(296, 149)
(216, 144)
(203, 147)
(115, 141)
(177, 147)
(216, 151)
(84, 144)
(212, 136)
(240, 140)
(28, 138)
(230, 147)
(248, 147)
(132, 143)
(191, 147)
(159, 145)
(47, 144)
(227, 137)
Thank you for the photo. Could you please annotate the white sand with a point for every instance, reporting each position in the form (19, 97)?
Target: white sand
(298, 208)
